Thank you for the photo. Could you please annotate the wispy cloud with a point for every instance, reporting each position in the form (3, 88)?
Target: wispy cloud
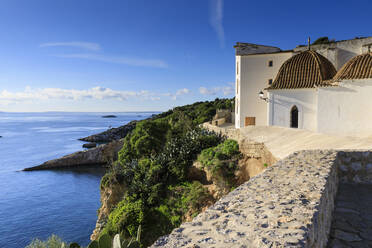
(181, 92)
(117, 59)
(94, 47)
(178, 93)
(224, 90)
(78, 44)
(216, 18)
(96, 93)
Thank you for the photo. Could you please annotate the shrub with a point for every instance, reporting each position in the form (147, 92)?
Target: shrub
(146, 139)
(321, 40)
(151, 200)
(153, 165)
(188, 197)
(126, 218)
(52, 242)
(221, 160)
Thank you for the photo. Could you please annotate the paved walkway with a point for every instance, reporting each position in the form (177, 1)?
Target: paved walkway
(352, 220)
(282, 142)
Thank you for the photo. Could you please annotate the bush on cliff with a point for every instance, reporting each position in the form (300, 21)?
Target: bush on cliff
(150, 182)
(147, 139)
(153, 166)
(52, 242)
(221, 161)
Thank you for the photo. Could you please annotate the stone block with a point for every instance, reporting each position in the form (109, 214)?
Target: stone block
(356, 166)
(343, 168)
(369, 168)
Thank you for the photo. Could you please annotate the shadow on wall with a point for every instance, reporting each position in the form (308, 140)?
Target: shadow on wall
(351, 218)
(343, 56)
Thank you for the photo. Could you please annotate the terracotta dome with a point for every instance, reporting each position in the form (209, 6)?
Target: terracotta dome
(358, 67)
(305, 70)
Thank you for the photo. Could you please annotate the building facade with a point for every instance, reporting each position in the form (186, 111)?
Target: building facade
(256, 68)
(301, 88)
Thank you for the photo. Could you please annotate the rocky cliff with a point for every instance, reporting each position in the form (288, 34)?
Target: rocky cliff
(110, 197)
(255, 159)
(101, 156)
(112, 133)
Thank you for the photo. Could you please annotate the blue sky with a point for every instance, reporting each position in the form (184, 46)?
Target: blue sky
(148, 55)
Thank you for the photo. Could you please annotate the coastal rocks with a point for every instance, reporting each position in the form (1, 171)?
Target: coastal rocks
(100, 155)
(90, 145)
(112, 133)
(110, 197)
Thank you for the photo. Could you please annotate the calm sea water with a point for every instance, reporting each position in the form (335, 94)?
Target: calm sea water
(63, 202)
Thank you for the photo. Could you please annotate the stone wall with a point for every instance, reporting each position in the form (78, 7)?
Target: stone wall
(355, 166)
(288, 205)
(228, 130)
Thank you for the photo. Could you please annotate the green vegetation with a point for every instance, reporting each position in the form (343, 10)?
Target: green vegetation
(221, 161)
(322, 40)
(152, 177)
(153, 166)
(52, 242)
(182, 199)
(105, 241)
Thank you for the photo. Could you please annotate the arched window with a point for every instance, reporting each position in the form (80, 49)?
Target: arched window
(294, 117)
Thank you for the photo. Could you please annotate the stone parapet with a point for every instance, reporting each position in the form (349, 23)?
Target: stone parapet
(288, 205)
(227, 130)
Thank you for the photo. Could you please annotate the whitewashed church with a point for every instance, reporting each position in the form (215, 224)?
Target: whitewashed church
(324, 88)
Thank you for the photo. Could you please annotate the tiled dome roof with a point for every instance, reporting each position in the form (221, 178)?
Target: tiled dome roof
(305, 70)
(358, 67)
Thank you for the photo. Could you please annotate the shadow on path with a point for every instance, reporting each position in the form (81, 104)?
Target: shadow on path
(352, 218)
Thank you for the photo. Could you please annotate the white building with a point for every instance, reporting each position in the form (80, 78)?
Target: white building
(301, 88)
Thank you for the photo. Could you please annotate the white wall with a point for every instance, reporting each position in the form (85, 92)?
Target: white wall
(253, 75)
(346, 109)
(282, 101)
(237, 91)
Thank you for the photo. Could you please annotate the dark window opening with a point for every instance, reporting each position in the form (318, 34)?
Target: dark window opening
(270, 81)
(294, 117)
(270, 64)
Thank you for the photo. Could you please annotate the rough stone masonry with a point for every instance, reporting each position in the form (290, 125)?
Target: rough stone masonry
(288, 205)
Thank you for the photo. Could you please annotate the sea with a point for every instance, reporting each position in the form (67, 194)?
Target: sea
(64, 202)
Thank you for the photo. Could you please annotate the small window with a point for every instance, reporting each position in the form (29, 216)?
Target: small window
(270, 81)
(237, 68)
(270, 64)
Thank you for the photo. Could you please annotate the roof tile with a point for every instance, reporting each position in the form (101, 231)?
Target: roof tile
(305, 70)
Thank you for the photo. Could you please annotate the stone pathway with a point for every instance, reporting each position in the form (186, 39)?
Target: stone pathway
(352, 220)
(281, 141)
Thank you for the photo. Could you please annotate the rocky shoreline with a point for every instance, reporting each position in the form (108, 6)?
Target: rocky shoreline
(111, 134)
(101, 155)
(98, 156)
